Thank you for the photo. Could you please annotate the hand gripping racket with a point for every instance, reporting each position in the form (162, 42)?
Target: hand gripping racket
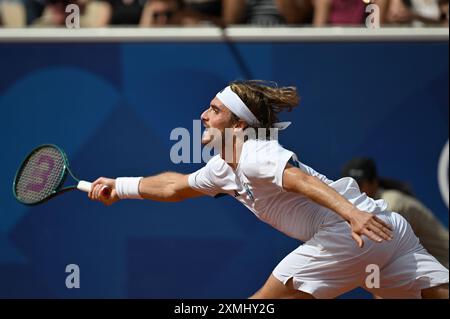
(42, 175)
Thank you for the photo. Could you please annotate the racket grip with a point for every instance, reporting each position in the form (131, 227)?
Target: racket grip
(86, 187)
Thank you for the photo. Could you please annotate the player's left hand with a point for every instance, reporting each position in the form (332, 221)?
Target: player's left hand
(367, 224)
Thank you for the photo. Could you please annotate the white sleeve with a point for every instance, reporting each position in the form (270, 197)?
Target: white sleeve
(271, 159)
(202, 181)
(214, 178)
(282, 157)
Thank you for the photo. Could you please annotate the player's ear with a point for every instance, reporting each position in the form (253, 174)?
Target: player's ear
(241, 124)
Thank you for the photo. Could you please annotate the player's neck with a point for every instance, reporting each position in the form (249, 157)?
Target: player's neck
(233, 160)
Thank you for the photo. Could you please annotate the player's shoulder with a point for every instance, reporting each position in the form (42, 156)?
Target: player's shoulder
(265, 147)
(262, 157)
(217, 165)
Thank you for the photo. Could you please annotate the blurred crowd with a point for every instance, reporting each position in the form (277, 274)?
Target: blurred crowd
(147, 13)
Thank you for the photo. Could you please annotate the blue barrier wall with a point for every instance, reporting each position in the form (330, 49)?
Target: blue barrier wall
(112, 108)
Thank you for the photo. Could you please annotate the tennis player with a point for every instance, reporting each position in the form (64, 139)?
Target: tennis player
(333, 218)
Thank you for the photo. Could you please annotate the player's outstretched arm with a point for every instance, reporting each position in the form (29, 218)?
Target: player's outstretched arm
(164, 187)
(362, 223)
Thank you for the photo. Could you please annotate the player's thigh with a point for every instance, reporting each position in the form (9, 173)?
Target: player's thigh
(438, 292)
(275, 289)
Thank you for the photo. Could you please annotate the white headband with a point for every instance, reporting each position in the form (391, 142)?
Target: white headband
(234, 103)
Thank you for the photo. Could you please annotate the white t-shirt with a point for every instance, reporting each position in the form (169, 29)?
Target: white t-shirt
(257, 183)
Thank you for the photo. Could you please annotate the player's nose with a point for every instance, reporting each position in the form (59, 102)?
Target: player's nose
(204, 116)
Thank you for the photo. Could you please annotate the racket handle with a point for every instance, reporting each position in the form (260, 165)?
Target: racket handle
(86, 187)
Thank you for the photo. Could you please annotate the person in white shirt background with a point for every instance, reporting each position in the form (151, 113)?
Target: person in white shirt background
(329, 216)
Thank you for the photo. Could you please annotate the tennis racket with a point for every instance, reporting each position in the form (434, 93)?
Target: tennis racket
(42, 174)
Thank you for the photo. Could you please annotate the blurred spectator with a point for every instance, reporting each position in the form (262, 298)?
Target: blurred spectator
(443, 12)
(12, 13)
(338, 12)
(296, 11)
(160, 12)
(100, 13)
(45, 13)
(431, 233)
(413, 12)
(424, 11)
(146, 13)
(34, 9)
(254, 12)
(397, 12)
(202, 12)
(182, 12)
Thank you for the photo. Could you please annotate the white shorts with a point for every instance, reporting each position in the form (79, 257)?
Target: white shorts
(331, 263)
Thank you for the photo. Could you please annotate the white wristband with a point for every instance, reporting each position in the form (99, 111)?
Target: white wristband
(128, 187)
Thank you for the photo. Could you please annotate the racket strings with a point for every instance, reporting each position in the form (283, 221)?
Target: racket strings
(40, 175)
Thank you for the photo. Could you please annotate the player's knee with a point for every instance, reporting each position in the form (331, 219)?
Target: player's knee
(264, 293)
(256, 295)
